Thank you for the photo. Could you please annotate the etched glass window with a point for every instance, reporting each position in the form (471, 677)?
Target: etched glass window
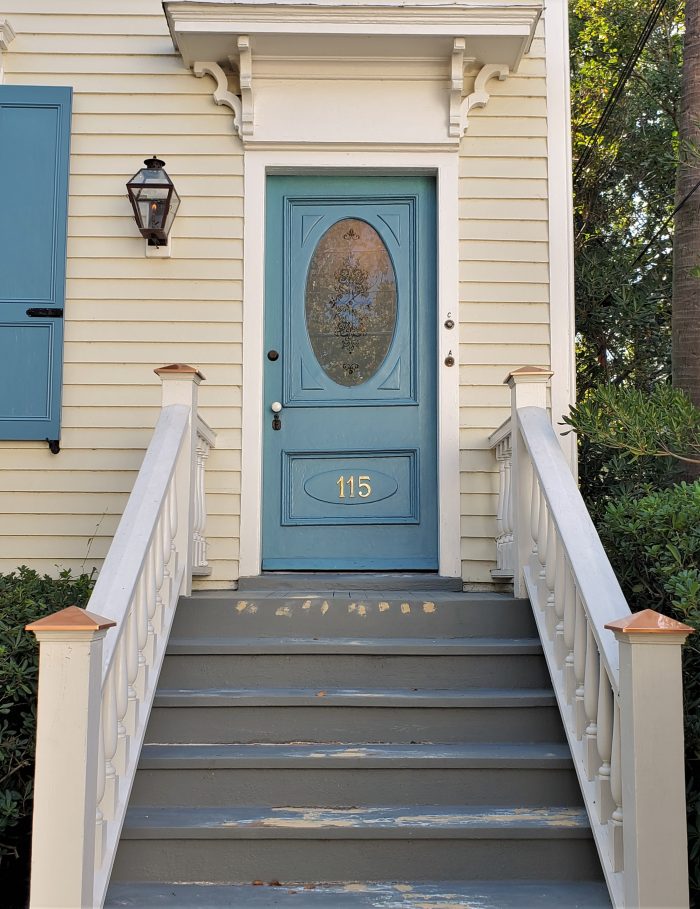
(351, 302)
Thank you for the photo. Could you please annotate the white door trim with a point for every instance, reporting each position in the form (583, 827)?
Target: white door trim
(444, 165)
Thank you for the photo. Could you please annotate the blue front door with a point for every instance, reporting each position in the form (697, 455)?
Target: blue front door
(349, 472)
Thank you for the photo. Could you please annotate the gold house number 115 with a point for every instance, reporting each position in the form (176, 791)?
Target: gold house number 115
(364, 488)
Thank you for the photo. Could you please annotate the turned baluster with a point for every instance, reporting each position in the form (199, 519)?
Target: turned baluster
(100, 830)
(534, 509)
(158, 574)
(591, 758)
(132, 664)
(173, 520)
(121, 691)
(198, 524)
(560, 575)
(141, 607)
(604, 740)
(550, 574)
(616, 819)
(151, 604)
(164, 528)
(569, 632)
(507, 517)
(109, 742)
(586, 692)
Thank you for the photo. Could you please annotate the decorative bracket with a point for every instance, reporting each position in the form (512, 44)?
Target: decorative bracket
(457, 91)
(7, 35)
(243, 106)
(480, 96)
(221, 93)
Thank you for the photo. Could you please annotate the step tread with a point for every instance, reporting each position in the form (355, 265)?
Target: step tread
(351, 697)
(361, 755)
(337, 645)
(377, 822)
(393, 895)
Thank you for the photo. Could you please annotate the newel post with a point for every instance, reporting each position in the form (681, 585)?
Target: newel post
(67, 748)
(528, 388)
(653, 779)
(180, 386)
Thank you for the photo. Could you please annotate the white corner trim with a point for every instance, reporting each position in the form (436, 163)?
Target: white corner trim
(7, 36)
(561, 237)
(445, 166)
(480, 96)
(221, 93)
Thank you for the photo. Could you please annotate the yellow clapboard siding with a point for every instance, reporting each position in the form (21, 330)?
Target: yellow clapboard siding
(519, 272)
(478, 549)
(502, 188)
(476, 525)
(155, 288)
(118, 83)
(172, 330)
(139, 374)
(156, 44)
(220, 185)
(59, 502)
(492, 333)
(143, 353)
(509, 168)
(491, 126)
(177, 165)
(96, 64)
(497, 209)
(74, 525)
(115, 206)
(107, 310)
(136, 268)
(92, 21)
(87, 9)
(532, 231)
(167, 145)
(201, 230)
(490, 354)
(505, 251)
(132, 247)
(504, 147)
(487, 293)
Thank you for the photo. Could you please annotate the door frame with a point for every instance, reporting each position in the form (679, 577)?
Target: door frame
(444, 166)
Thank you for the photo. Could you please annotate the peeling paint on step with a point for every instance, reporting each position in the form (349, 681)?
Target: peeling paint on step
(241, 605)
(383, 606)
(325, 607)
(283, 610)
(429, 608)
(405, 608)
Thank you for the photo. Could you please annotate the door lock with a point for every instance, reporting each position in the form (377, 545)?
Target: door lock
(276, 407)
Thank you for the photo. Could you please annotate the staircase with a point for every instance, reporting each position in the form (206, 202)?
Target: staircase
(380, 742)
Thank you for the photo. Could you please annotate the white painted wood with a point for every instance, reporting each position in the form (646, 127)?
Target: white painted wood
(445, 167)
(65, 780)
(7, 35)
(560, 217)
(653, 791)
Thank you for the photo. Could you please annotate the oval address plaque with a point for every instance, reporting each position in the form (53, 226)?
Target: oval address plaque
(350, 486)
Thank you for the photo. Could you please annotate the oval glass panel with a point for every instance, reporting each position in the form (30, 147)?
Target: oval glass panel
(350, 302)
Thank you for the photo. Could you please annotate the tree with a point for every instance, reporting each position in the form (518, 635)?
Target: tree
(686, 263)
(624, 193)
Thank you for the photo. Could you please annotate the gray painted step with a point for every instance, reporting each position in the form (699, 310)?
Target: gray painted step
(243, 844)
(345, 581)
(388, 614)
(369, 715)
(337, 775)
(459, 662)
(401, 895)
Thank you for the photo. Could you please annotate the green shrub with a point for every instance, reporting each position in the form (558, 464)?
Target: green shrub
(653, 543)
(24, 597)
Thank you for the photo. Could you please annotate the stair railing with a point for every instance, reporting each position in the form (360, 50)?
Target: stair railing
(96, 690)
(616, 675)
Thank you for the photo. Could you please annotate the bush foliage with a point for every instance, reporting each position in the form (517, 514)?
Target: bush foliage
(25, 596)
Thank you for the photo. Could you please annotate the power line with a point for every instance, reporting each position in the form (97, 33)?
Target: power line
(607, 299)
(619, 88)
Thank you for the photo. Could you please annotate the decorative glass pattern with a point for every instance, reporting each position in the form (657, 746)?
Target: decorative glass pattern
(351, 302)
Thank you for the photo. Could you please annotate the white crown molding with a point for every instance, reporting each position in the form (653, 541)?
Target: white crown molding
(480, 96)
(7, 36)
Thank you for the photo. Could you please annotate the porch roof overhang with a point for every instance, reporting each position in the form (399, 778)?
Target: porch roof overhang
(385, 73)
(494, 31)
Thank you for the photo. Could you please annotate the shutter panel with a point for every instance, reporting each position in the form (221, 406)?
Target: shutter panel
(34, 160)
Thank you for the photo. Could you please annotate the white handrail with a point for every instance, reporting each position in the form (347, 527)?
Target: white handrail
(595, 579)
(96, 691)
(616, 676)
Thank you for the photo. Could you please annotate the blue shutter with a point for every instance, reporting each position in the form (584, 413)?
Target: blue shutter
(34, 153)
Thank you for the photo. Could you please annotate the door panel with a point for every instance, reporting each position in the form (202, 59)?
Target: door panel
(350, 474)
